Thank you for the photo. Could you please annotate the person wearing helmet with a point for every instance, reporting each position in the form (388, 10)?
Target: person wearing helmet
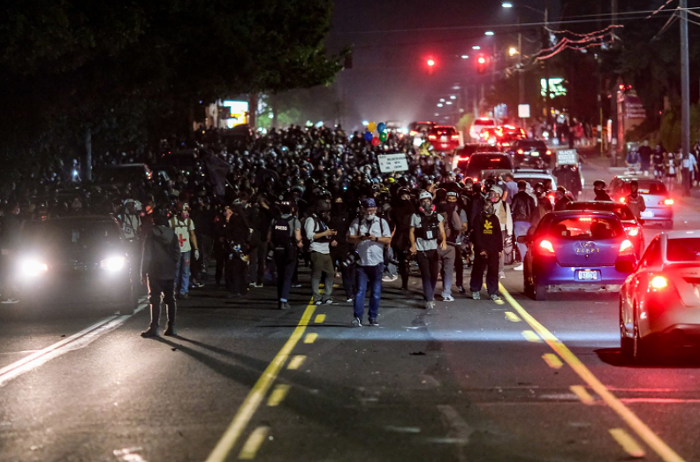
(161, 254)
(427, 234)
(401, 214)
(505, 219)
(599, 191)
(284, 236)
(488, 250)
(319, 236)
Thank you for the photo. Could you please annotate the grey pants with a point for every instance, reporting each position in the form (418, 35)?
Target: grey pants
(447, 267)
(322, 264)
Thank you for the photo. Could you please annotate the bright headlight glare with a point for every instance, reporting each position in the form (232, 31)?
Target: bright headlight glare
(33, 268)
(113, 263)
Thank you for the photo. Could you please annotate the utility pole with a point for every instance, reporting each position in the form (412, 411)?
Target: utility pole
(545, 44)
(521, 75)
(685, 91)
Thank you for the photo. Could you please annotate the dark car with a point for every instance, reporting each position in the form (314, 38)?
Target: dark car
(531, 153)
(576, 250)
(444, 138)
(420, 128)
(632, 226)
(657, 199)
(483, 165)
(463, 153)
(72, 261)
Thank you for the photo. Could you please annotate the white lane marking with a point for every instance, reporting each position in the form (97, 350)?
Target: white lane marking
(129, 454)
(74, 342)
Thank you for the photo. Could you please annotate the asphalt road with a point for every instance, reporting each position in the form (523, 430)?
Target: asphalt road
(470, 381)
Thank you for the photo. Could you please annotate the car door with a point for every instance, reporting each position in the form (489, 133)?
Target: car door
(636, 284)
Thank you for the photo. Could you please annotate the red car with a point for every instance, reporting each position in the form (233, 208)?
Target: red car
(444, 138)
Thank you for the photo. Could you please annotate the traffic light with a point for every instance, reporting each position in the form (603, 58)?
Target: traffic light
(481, 64)
(430, 63)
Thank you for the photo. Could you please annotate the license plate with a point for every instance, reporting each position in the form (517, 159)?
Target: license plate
(443, 139)
(647, 214)
(535, 154)
(588, 275)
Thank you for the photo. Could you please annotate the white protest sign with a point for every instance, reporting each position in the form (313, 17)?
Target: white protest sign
(392, 163)
(567, 157)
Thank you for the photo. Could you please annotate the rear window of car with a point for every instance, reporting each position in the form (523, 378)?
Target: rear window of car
(444, 130)
(586, 228)
(622, 211)
(683, 249)
(531, 145)
(647, 188)
(72, 235)
(478, 163)
(484, 122)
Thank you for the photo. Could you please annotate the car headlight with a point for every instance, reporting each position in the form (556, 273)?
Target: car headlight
(33, 268)
(113, 264)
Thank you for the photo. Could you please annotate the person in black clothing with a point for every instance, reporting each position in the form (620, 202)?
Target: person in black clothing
(599, 191)
(161, 252)
(561, 199)
(645, 156)
(488, 246)
(401, 215)
(284, 236)
(524, 212)
(340, 221)
(237, 241)
(221, 225)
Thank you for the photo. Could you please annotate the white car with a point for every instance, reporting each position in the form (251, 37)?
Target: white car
(482, 123)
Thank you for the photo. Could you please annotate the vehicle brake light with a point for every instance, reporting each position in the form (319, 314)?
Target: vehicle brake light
(552, 197)
(666, 202)
(505, 145)
(549, 153)
(587, 219)
(476, 179)
(622, 200)
(464, 158)
(432, 137)
(633, 231)
(520, 151)
(659, 282)
(626, 247)
(413, 133)
(546, 247)
(455, 137)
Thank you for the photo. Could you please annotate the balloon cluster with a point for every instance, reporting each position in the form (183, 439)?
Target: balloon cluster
(381, 136)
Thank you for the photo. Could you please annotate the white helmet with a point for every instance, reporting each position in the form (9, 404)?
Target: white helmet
(425, 195)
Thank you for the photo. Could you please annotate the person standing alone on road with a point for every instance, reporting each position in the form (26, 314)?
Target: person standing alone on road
(488, 247)
(524, 214)
(426, 229)
(184, 230)
(161, 254)
(370, 234)
(635, 201)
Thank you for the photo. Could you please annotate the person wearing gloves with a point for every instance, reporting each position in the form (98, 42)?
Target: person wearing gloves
(426, 229)
(505, 220)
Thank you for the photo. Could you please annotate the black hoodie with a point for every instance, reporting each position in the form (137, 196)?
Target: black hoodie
(161, 251)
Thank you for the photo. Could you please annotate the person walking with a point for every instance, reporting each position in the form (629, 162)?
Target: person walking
(524, 212)
(634, 200)
(488, 248)
(370, 234)
(237, 244)
(319, 236)
(426, 229)
(401, 243)
(645, 157)
(284, 236)
(161, 254)
(340, 221)
(447, 258)
(184, 228)
(599, 190)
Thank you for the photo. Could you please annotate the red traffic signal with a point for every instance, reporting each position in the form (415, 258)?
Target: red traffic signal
(430, 65)
(481, 64)
(430, 62)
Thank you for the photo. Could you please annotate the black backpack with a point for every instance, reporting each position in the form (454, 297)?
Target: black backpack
(282, 239)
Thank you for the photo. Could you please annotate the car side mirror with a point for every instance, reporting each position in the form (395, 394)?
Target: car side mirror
(523, 239)
(626, 266)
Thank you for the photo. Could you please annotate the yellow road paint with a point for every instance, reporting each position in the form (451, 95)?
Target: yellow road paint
(278, 394)
(251, 446)
(296, 362)
(512, 317)
(582, 394)
(628, 443)
(257, 393)
(310, 338)
(640, 428)
(530, 336)
(552, 360)
(320, 318)
(499, 302)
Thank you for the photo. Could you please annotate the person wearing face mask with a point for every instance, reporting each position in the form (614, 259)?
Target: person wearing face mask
(450, 258)
(488, 252)
(634, 200)
(370, 234)
(221, 225)
(426, 229)
(401, 215)
(502, 211)
(340, 247)
(183, 226)
(561, 199)
(599, 191)
(318, 236)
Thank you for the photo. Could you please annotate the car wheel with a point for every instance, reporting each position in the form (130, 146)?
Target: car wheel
(527, 283)
(626, 343)
(540, 291)
(640, 346)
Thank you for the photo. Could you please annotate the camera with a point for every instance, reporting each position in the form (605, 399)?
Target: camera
(352, 258)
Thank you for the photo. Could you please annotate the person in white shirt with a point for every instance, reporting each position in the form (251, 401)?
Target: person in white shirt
(370, 234)
(183, 226)
(319, 236)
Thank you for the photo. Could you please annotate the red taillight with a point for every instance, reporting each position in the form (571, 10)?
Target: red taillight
(658, 282)
(413, 133)
(455, 137)
(505, 145)
(464, 158)
(626, 247)
(546, 247)
(666, 202)
(622, 200)
(476, 179)
(520, 151)
(549, 153)
(552, 198)
(432, 137)
(633, 231)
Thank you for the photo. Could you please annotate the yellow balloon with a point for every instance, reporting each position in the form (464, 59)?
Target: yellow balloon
(371, 126)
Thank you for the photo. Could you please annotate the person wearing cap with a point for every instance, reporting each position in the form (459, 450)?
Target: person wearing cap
(319, 236)
(599, 191)
(370, 234)
(426, 229)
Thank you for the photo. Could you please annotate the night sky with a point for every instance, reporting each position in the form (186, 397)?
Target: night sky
(389, 79)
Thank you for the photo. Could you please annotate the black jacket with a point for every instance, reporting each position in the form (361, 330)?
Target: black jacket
(161, 252)
(523, 207)
(486, 234)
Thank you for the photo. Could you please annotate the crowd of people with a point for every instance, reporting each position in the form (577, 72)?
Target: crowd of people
(673, 168)
(294, 198)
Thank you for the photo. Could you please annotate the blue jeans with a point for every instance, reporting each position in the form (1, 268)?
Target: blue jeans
(182, 273)
(373, 275)
(520, 229)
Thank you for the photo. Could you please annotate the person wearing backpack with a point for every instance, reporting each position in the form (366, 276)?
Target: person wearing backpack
(318, 236)
(284, 237)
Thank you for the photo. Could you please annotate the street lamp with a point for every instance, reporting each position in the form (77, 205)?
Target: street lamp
(465, 56)
(512, 51)
(488, 33)
(507, 5)
(476, 47)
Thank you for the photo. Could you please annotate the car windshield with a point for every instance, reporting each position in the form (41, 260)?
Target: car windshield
(585, 228)
(622, 211)
(683, 250)
(70, 235)
(488, 162)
